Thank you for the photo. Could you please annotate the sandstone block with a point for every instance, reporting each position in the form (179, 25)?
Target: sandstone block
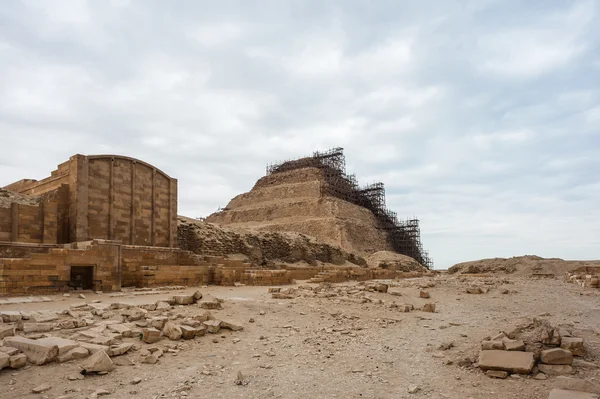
(512, 362)
(187, 332)
(231, 326)
(197, 295)
(148, 306)
(212, 326)
(514, 345)
(98, 362)
(172, 331)
(572, 344)
(210, 305)
(381, 288)
(17, 361)
(36, 352)
(64, 345)
(161, 305)
(183, 299)
(555, 369)
(7, 331)
(4, 360)
(429, 307)
(75, 353)
(200, 330)
(564, 394)
(496, 374)
(134, 313)
(117, 350)
(492, 345)
(556, 356)
(158, 322)
(424, 294)
(120, 329)
(93, 348)
(274, 289)
(8, 350)
(150, 335)
(150, 359)
(38, 327)
(10, 316)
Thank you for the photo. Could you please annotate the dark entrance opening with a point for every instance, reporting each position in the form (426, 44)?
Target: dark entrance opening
(82, 277)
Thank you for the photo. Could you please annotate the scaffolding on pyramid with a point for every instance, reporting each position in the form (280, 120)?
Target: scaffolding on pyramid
(404, 236)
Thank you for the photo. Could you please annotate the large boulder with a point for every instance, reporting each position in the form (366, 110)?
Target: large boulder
(511, 361)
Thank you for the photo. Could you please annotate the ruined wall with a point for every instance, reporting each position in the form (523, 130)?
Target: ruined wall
(43, 273)
(42, 223)
(108, 197)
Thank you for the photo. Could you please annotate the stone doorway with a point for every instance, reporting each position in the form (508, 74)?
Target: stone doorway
(82, 277)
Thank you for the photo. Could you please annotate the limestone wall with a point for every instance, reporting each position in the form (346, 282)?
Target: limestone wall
(108, 197)
(41, 223)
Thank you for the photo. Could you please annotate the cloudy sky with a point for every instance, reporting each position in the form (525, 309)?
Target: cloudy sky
(481, 117)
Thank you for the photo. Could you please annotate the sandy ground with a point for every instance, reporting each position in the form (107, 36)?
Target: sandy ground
(329, 348)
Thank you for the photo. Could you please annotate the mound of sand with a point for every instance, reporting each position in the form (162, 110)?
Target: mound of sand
(394, 261)
(520, 266)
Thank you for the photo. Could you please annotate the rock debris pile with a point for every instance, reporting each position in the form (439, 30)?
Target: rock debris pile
(100, 332)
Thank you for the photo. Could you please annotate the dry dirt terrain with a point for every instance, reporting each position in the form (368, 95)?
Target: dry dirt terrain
(330, 345)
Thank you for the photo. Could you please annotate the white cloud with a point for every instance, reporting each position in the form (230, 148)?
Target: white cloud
(549, 43)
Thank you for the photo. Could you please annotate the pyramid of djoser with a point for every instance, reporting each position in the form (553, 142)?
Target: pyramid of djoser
(314, 196)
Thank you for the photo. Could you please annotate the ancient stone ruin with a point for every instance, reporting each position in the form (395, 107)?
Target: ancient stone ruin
(314, 195)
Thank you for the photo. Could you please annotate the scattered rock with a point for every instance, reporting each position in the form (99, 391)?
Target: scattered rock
(556, 356)
(413, 389)
(42, 388)
(429, 307)
(512, 362)
(150, 335)
(496, 374)
(424, 294)
(574, 345)
(555, 369)
(17, 361)
(172, 331)
(240, 380)
(98, 362)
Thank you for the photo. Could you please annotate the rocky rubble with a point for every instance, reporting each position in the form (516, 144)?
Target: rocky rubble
(100, 332)
(531, 347)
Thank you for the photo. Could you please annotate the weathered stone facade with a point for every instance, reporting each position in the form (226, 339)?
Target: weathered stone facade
(96, 197)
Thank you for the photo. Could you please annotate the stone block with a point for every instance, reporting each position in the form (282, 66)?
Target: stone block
(187, 332)
(120, 329)
(556, 356)
(172, 331)
(93, 348)
(17, 361)
(210, 305)
(117, 350)
(424, 294)
(10, 316)
(150, 335)
(36, 352)
(8, 350)
(572, 344)
(64, 345)
(429, 307)
(38, 327)
(492, 345)
(183, 299)
(512, 362)
(496, 374)
(212, 326)
(75, 353)
(7, 331)
(4, 360)
(97, 363)
(231, 326)
(555, 369)
(514, 345)
(158, 322)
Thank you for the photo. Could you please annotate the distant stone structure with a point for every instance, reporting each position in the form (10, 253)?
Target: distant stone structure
(106, 197)
(98, 222)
